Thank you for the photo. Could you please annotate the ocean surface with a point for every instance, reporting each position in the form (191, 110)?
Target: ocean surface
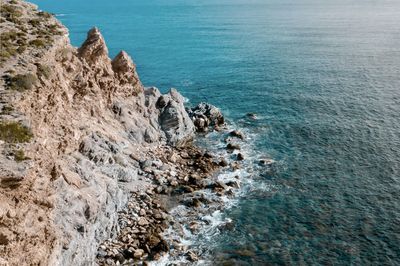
(323, 78)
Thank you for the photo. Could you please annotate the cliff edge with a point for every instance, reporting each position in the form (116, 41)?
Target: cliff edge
(76, 128)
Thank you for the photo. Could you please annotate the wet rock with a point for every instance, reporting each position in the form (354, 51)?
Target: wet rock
(192, 256)
(205, 115)
(235, 165)
(232, 146)
(240, 157)
(252, 116)
(227, 226)
(237, 134)
(245, 253)
(233, 184)
(223, 163)
(266, 162)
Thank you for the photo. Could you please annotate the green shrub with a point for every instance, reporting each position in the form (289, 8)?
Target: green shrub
(44, 71)
(10, 44)
(11, 13)
(9, 36)
(6, 110)
(21, 82)
(39, 43)
(6, 53)
(34, 22)
(44, 14)
(14, 132)
(21, 48)
(19, 156)
(54, 29)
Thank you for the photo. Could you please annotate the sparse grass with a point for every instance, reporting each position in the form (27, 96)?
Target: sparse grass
(34, 22)
(44, 71)
(14, 132)
(39, 43)
(11, 44)
(21, 82)
(19, 156)
(6, 110)
(11, 13)
(21, 48)
(44, 14)
(63, 54)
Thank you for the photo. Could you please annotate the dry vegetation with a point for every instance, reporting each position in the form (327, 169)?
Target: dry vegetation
(20, 32)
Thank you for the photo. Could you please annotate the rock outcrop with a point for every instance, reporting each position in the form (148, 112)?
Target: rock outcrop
(206, 116)
(125, 71)
(84, 123)
(94, 49)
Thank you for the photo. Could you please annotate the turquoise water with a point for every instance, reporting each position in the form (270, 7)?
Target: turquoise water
(324, 80)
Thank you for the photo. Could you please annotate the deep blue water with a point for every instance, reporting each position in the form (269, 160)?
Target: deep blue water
(324, 80)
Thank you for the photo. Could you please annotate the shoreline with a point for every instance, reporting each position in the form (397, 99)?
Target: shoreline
(156, 223)
(102, 157)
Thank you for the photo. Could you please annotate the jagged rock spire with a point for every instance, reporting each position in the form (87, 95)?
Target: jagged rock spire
(123, 63)
(125, 71)
(94, 47)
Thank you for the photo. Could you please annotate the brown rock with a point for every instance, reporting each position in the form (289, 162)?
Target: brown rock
(237, 134)
(232, 146)
(223, 163)
(142, 221)
(94, 48)
(138, 253)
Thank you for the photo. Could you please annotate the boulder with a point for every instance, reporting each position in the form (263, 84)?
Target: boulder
(174, 120)
(232, 146)
(237, 134)
(240, 157)
(205, 115)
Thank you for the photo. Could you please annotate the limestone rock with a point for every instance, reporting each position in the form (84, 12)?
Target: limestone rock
(205, 115)
(94, 48)
(125, 71)
(175, 122)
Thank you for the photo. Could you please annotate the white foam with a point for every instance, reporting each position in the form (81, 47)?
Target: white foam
(210, 224)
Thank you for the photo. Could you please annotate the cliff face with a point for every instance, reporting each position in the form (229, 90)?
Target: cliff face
(75, 126)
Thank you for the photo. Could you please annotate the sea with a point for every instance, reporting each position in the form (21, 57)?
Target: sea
(322, 79)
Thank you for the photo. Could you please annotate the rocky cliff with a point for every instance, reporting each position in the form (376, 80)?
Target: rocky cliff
(76, 128)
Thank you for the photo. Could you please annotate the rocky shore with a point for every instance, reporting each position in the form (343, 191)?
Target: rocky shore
(93, 164)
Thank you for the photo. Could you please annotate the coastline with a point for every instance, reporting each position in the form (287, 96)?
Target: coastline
(109, 163)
